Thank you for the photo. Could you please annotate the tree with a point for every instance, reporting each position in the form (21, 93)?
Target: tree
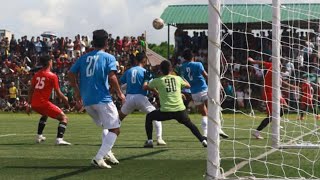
(162, 49)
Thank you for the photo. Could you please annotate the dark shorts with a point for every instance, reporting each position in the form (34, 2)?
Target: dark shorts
(12, 101)
(180, 116)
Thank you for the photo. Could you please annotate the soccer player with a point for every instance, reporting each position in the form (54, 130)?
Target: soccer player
(40, 90)
(171, 103)
(136, 97)
(267, 96)
(95, 71)
(306, 97)
(196, 75)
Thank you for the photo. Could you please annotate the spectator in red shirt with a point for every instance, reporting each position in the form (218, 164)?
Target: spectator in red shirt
(119, 44)
(126, 44)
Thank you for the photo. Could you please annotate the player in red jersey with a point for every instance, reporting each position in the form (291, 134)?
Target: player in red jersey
(40, 90)
(306, 97)
(267, 96)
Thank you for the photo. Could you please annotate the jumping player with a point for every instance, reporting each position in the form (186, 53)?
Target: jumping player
(136, 97)
(40, 90)
(94, 70)
(267, 96)
(171, 103)
(196, 75)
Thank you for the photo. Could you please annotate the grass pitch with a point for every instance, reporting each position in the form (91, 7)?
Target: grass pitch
(183, 158)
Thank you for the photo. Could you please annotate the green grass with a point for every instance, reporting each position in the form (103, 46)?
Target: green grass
(183, 157)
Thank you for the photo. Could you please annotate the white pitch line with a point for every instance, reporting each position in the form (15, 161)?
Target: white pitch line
(5, 135)
(243, 163)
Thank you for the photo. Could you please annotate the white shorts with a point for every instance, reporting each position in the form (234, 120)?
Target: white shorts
(200, 97)
(137, 101)
(105, 115)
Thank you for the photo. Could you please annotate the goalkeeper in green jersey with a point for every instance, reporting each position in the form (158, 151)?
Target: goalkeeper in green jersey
(171, 103)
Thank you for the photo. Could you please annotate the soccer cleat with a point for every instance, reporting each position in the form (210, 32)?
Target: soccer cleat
(148, 144)
(40, 138)
(161, 142)
(111, 158)
(100, 163)
(62, 142)
(204, 143)
(223, 134)
(257, 135)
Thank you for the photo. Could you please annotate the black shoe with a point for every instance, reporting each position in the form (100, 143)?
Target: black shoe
(204, 143)
(223, 134)
(148, 144)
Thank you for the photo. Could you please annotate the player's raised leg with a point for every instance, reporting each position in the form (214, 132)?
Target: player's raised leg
(183, 118)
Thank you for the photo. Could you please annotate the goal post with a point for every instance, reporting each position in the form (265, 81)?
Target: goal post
(276, 46)
(214, 125)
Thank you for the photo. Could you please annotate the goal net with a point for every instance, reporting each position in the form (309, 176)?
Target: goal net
(266, 58)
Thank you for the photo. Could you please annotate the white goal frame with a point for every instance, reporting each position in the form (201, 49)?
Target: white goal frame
(214, 170)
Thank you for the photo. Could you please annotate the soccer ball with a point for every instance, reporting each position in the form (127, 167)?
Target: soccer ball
(158, 23)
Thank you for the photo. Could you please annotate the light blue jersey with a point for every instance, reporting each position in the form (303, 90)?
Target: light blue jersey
(93, 69)
(134, 77)
(192, 72)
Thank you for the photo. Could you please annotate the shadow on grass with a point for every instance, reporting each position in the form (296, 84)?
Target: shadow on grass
(17, 144)
(82, 169)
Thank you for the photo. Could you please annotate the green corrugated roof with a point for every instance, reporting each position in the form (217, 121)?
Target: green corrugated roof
(239, 13)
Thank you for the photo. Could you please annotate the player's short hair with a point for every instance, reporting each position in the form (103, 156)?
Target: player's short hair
(140, 56)
(187, 54)
(165, 67)
(99, 38)
(44, 60)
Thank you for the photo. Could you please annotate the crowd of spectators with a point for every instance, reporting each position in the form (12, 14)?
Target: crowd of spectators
(18, 58)
(241, 82)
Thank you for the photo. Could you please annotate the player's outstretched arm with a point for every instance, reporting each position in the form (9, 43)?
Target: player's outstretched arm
(254, 61)
(285, 83)
(116, 87)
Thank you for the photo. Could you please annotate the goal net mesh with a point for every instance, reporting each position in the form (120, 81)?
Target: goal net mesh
(247, 33)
